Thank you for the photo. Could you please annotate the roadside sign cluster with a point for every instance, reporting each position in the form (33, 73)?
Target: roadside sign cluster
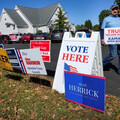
(29, 61)
(79, 72)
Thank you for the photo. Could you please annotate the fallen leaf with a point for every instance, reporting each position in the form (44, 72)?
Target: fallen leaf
(45, 97)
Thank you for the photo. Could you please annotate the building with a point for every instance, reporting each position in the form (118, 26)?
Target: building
(29, 20)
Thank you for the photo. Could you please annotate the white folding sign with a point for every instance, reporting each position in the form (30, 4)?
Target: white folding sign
(81, 54)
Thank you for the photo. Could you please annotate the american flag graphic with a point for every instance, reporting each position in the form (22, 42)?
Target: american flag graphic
(70, 68)
(73, 69)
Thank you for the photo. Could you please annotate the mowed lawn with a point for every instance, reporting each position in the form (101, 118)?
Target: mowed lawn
(30, 97)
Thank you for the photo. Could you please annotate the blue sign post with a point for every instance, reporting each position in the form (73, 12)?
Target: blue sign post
(86, 90)
(13, 57)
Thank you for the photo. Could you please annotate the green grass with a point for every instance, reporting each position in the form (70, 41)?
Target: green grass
(30, 97)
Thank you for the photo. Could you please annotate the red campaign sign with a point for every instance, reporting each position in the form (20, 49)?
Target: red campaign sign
(44, 46)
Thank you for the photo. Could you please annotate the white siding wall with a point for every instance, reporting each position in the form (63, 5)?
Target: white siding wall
(44, 29)
(3, 28)
(23, 30)
(30, 27)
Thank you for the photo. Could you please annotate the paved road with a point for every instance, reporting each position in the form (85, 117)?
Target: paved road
(112, 78)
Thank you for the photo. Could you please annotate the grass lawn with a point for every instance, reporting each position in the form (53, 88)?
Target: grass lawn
(30, 97)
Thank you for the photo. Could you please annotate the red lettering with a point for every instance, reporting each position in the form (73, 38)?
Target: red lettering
(85, 58)
(75, 57)
(78, 58)
(72, 56)
(29, 62)
(65, 56)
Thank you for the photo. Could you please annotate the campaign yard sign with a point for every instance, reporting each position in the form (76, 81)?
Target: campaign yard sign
(31, 61)
(86, 90)
(13, 57)
(112, 35)
(45, 47)
(4, 60)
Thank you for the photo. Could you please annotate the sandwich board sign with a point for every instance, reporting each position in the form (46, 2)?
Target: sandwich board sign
(112, 35)
(13, 57)
(84, 54)
(31, 61)
(4, 60)
(44, 46)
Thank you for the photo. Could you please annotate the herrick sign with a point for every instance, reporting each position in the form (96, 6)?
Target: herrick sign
(86, 90)
(112, 35)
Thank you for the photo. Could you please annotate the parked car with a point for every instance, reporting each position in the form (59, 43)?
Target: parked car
(15, 37)
(41, 36)
(26, 38)
(87, 31)
(4, 39)
(57, 35)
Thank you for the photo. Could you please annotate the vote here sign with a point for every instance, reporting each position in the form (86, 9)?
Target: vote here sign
(77, 53)
(112, 35)
(44, 46)
(80, 55)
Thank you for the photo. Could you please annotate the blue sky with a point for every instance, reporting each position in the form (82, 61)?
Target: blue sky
(78, 11)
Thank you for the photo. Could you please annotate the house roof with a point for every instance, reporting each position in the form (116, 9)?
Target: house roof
(16, 18)
(39, 17)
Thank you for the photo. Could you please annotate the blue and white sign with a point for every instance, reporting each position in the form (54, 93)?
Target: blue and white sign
(112, 35)
(13, 57)
(86, 90)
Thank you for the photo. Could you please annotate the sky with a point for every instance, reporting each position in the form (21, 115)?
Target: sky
(78, 11)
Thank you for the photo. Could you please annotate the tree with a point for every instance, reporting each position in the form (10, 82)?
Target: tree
(61, 21)
(88, 24)
(96, 27)
(79, 26)
(118, 3)
(103, 14)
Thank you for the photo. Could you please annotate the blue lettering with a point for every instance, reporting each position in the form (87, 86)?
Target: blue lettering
(79, 49)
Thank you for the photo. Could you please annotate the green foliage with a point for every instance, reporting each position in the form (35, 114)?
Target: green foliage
(80, 26)
(103, 14)
(88, 24)
(117, 2)
(39, 31)
(61, 21)
(96, 27)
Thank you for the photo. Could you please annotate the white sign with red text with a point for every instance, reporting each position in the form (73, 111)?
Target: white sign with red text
(31, 61)
(112, 35)
(81, 54)
(45, 47)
